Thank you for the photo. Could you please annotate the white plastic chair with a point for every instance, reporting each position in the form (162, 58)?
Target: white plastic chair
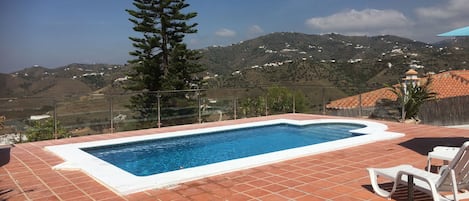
(454, 178)
(443, 153)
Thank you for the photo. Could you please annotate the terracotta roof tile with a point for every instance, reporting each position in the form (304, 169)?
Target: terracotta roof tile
(368, 99)
(451, 84)
(446, 85)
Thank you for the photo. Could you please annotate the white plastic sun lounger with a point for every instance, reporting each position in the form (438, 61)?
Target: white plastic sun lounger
(443, 153)
(454, 178)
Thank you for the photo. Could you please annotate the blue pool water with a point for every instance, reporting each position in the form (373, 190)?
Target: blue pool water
(163, 155)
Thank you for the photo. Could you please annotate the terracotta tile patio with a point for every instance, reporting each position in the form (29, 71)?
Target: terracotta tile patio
(338, 175)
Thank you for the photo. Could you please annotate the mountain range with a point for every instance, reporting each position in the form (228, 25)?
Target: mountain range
(344, 64)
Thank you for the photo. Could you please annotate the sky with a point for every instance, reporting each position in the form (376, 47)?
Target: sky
(55, 33)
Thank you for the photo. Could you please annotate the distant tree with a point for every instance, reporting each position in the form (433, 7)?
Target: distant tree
(411, 97)
(44, 130)
(253, 106)
(300, 101)
(95, 81)
(276, 100)
(280, 100)
(162, 61)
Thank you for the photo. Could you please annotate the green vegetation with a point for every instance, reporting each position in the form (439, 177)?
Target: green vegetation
(277, 100)
(95, 81)
(411, 97)
(282, 100)
(162, 61)
(44, 130)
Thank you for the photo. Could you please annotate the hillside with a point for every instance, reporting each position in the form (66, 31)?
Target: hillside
(350, 63)
(323, 67)
(71, 80)
(280, 47)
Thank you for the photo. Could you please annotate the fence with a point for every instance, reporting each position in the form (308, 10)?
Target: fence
(109, 113)
(441, 112)
(449, 111)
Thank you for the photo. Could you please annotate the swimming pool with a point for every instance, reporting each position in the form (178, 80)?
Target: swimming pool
(150, 157)
(76, 155)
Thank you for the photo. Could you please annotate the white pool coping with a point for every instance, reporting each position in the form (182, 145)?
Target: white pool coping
(124, 183)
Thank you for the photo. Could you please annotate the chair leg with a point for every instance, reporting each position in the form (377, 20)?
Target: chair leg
(378, 190)
(455, 185)
(429, 163)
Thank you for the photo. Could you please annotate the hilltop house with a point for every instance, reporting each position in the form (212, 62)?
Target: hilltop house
(452, 88)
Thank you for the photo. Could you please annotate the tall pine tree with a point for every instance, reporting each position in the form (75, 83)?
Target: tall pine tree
(162, 61)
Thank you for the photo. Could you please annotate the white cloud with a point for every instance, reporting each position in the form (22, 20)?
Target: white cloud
(433, 13)
(442, 17)
(452, 12)
(225, 33)
(255, 30)
(360, 21)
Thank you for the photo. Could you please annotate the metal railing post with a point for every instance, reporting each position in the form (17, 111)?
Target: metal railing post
(199, 108)
(235, 107)
(294, 104)
(111, 114)
(359, 105)
(158, 97)
(324, 101)
(55, 119)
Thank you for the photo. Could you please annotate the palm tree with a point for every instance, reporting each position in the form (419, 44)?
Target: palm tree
(411, 96)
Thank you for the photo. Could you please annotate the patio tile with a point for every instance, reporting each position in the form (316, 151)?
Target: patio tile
(91, 187)
(343, 189)
(306, 179)
(79, 198)
(261, 175)
(291, 183)
(238, 197)
(274, 197)
(190, 191)
(327, 193)
(163, 194)
(244, 178)
(36, 194)
(113, 198)
(291, 175)
(347, 198)
(276, 179)
(209, 187)
(12, 195)
(338, 175)
(256, 192)
(141, 196)
(311, 188)
(292, 193)
(274, 187)
(225, 183)
(310, 198)
(242, 187)
(104, 195)
(64, 188)
(47, 198)
(70, 193)
(259, 183)
(223, 193)
(205, 197)
(277, 171)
